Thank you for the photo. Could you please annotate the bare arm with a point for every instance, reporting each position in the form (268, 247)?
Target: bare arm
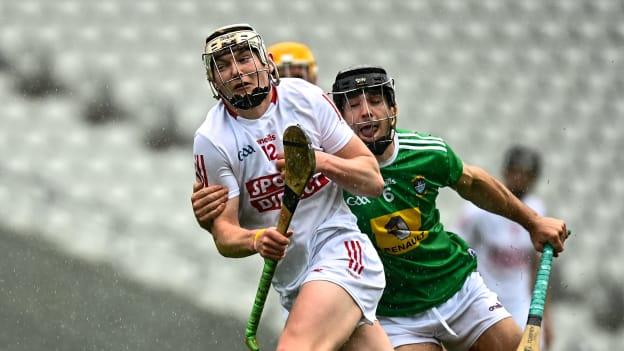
(485, 191)
(208, 202)
(480, 188)
(231, 239)
(234, 241)
(354, 168)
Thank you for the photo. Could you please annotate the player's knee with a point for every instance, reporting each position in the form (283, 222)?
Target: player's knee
(305, 344)
(291, 339)
(301, 340)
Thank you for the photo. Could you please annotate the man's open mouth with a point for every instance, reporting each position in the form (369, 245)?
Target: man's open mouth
(369, 130)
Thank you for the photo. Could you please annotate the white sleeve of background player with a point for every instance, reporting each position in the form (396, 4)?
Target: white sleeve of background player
(335, 133)
(213, 167)
(536, 204)
(467, 223)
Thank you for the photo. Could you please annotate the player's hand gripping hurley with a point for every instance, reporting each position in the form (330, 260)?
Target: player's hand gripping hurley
(531, 336)
(300, 164)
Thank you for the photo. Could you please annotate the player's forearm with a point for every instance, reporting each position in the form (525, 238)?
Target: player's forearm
(359, 175)
(233, 241)
(479, 187)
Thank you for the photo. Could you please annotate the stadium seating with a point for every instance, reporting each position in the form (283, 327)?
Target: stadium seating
(482, 74)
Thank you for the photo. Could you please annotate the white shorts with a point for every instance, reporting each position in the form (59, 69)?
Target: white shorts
(457, 323)
(350, 261)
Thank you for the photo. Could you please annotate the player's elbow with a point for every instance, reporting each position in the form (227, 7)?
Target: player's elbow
(230, 251)
(223, 249)
(228, 248)
(377, 187)
(373, 187)
(374, 181)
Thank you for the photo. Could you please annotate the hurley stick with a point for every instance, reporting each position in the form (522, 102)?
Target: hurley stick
(300, 164)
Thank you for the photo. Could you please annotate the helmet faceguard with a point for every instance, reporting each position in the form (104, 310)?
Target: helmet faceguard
(294, 60)
(362, 86)
(231, 40)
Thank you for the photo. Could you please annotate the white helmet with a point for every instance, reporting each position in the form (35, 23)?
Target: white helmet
(228, 40)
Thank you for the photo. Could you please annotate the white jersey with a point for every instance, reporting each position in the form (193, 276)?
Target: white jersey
(240, 154)
(504, 255)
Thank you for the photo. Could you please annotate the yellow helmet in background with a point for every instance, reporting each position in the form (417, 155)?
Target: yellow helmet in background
(294, 60)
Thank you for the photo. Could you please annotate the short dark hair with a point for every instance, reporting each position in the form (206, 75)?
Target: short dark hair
(525, 158)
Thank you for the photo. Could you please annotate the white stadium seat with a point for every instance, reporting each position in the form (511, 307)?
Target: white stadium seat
(482, 74)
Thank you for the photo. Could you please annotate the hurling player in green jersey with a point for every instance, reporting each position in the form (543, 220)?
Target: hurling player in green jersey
(433, 294)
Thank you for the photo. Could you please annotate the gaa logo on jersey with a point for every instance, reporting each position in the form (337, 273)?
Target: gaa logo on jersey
(357, 201)
(245, 151)
(419, 184)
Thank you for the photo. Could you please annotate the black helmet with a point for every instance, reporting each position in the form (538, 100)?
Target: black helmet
(363, 79)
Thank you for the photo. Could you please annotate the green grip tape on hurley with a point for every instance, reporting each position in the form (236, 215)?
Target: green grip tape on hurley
(541, 283)
(261, 295)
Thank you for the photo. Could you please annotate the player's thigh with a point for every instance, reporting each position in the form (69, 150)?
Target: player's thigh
(502, 336)
(420, 347)
(323, 317)
(368, 337)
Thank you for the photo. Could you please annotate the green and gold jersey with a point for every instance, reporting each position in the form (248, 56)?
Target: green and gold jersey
(424, 264)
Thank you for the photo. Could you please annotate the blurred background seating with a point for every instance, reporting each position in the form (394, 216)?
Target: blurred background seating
(100, 100)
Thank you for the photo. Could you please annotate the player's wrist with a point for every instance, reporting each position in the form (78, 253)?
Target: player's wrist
(321, 161)
(531, 223)
(256, 235)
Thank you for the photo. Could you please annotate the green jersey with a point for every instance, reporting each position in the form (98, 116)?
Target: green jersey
(424, 264)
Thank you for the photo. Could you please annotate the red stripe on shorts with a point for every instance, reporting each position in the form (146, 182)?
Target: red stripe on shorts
(355, 256)
(360, 258)
(351, 260)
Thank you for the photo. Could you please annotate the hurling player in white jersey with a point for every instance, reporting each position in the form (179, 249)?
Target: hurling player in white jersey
(293, 60)
(505, 255)
(329, 276)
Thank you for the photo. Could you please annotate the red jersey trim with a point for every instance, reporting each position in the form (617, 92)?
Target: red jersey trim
(332, 105)
(200, 170)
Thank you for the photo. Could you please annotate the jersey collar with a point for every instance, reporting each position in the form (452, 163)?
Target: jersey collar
(395, 152)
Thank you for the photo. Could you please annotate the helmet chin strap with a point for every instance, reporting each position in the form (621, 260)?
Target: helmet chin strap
(249, 101)
(378, 147)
